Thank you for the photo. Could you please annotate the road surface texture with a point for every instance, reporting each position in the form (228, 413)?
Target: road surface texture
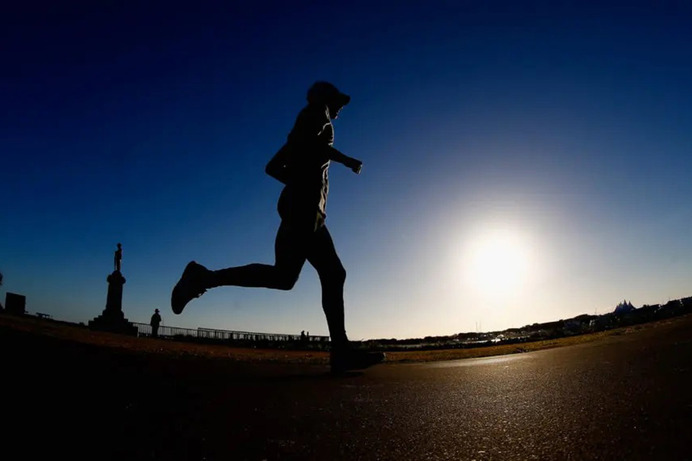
(626, 397)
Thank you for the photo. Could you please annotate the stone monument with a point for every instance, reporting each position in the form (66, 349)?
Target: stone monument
(112, 318)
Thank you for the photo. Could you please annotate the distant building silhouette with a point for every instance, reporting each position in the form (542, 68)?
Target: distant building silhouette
(15, 304)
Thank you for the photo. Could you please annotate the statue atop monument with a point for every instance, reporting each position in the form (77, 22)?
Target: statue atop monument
(113, 319)
(118, 258)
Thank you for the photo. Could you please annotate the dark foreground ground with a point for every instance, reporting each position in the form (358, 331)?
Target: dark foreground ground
(621, 397)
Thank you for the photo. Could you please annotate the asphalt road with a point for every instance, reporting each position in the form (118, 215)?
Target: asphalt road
(625, 397)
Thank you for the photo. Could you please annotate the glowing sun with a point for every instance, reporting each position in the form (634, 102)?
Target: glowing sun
(497, 263)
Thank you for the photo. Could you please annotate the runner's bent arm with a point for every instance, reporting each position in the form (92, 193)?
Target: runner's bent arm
(337, 156)
(312, 132)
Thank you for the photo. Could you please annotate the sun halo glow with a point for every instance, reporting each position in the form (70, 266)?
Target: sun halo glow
(497, 263)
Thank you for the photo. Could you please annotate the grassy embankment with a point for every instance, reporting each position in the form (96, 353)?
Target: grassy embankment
(71, 332)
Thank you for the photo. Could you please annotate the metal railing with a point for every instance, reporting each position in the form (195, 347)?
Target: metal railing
(233, 337)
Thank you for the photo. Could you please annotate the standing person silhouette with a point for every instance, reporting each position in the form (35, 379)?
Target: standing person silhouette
(155, 322)
(302, 165)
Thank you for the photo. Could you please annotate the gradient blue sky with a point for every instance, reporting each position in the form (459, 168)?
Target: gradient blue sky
(565, 127)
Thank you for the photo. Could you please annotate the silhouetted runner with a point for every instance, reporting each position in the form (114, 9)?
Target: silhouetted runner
(302, 165)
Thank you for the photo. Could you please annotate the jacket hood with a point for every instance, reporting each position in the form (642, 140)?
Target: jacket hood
(324, 92)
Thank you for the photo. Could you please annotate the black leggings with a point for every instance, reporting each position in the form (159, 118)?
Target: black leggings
(293, 246)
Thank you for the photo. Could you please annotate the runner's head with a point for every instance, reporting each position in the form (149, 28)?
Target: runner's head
(326, 93)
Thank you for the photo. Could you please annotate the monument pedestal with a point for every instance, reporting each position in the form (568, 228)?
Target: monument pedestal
(112, 319)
